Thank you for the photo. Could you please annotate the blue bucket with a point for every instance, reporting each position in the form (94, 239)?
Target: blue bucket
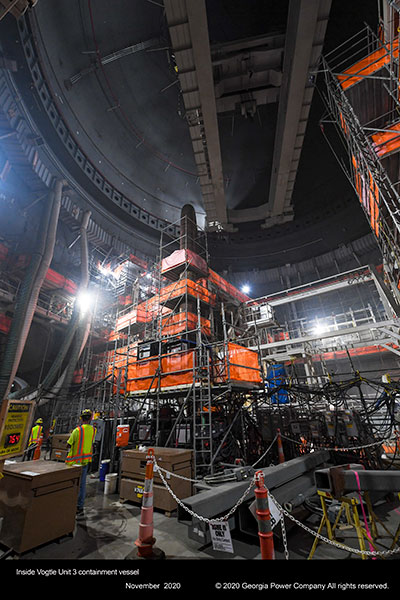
(104, 466)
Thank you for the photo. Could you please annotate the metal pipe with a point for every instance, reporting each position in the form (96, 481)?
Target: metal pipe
(83, 330)
(54, 211)
(69, 336)
(29, 291)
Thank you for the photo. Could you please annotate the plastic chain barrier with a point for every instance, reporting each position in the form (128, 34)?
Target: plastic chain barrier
(283, 513)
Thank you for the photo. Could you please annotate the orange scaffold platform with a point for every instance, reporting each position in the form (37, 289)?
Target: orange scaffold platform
(163, 302)
(177, 369)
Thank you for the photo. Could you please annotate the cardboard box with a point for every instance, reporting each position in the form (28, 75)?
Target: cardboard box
(38, 501)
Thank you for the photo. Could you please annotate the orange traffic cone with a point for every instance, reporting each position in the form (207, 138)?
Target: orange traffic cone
(281, 455)
(145, 541)
(265, 533)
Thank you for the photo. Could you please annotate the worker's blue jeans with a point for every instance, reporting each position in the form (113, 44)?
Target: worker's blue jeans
(82, 487)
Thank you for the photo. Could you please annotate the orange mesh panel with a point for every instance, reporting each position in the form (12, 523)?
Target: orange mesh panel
(368, 195)
(141, 373)
(371, 64)
(176, 369)
(180, 257)
(184, 321)
(243, 366)
(227, 287)
(184, 286)
(374, 204)
(386, 142)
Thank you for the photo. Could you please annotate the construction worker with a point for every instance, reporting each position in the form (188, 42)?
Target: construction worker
(35, 441)
(81, 452)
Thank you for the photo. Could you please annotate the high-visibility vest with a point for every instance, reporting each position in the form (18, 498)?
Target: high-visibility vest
(81, 442)
(36, 434)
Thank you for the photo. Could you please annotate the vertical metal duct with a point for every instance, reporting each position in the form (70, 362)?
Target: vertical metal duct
(29, 291)
(47, 386)
(84, 320)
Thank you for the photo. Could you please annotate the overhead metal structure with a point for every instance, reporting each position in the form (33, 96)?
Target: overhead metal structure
(187, 21)
(245, 74)
(307, 21)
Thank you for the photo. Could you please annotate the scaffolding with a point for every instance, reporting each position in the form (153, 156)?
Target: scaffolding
(180, 365)
(367, 67)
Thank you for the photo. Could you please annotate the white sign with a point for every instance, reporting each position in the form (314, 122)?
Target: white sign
(221, 537)
(274, 510)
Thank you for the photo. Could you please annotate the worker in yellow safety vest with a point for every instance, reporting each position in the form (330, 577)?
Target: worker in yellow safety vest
(81, 452)
(35, 441)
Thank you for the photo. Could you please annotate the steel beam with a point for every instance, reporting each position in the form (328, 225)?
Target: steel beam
(328, 334)
(220, 499)
(188, 27)
(247, 73)
(306, 27)
(344, 479)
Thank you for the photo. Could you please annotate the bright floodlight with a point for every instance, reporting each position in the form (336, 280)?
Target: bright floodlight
(85, 301)
(105, 270)
(246, 289)
(319, 329)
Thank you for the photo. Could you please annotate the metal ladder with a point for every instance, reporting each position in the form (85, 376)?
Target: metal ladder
(202, 413)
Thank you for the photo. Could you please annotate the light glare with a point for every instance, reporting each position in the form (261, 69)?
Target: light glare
(85, 301)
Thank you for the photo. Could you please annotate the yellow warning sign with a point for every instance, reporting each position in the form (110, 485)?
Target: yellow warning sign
(14, 428)
(139, 490)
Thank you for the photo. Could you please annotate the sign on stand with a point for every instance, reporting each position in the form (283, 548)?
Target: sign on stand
(15, 422)
(221, 537)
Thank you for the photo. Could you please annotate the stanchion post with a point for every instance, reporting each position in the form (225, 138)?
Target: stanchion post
(145, 542)
(265, 533)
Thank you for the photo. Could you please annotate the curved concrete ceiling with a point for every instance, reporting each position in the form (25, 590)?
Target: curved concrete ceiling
(116, 74)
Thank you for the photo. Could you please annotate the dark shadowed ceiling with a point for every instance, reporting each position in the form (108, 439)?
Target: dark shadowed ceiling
(115, 77)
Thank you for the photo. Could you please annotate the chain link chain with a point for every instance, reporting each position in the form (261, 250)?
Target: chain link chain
(283, 513)
(284, 537)
(332, 542)
(158, 468)
(310, 445)
(201, 518)
(266, 452)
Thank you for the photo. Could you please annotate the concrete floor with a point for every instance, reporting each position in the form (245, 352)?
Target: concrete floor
(108, 529)
(106, 533)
